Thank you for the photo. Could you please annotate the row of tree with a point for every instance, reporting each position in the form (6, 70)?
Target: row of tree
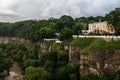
(36, 30)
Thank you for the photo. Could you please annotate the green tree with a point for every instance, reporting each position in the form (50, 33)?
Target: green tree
(62, 73)
(66, 34)
(114, 18)
(46, 32)
(5, 65)
(32, 73)
(62, 58)
(117, 77)
(89, 76)
(107, 75)
(79, 25)
(63, 22)
(29, 62)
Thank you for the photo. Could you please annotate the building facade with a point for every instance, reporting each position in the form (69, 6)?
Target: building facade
(101, 28)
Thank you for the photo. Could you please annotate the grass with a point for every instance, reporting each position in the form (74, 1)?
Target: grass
(53, 46)
(85, 50)
(67, 42)
(82, 42)
(99, 43)
(114, 44)
(96, 43)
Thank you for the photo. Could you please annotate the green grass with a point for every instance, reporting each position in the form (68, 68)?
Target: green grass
(85, 50)
(98, 43)
(53, 46)
(114, 44)
(82, 42)
(67, 42)
(89, 43)
(101, 44)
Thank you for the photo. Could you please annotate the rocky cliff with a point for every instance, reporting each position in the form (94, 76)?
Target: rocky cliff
(96, 61)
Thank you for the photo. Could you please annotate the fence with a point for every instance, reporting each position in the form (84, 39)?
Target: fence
(94, 36)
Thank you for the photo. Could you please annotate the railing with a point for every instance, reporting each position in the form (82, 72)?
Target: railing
(94, 36)
(50, 39)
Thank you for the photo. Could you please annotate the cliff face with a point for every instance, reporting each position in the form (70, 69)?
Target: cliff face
(74, 53)
(44, 47)
(98, 61)
(6, 40)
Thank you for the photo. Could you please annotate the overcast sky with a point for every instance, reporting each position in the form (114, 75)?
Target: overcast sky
(15, 10)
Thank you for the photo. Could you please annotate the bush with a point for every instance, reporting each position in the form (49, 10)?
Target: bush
(32, 73)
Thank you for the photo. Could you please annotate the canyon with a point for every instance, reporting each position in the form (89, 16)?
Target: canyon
(97, 61)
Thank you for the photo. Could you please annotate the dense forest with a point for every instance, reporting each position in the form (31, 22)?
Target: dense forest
(66, 26)
(52, 65)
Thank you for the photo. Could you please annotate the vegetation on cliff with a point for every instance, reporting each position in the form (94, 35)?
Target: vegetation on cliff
(105, 76)
(53, 65)
(83, 42)
(95, 43)
(43, 68)
(5, 65)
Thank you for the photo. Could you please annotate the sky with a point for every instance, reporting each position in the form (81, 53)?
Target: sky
(17, 10)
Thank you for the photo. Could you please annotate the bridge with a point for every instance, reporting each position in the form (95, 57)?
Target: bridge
(51, 39)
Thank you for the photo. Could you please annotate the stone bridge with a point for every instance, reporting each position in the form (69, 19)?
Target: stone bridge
(6, 40)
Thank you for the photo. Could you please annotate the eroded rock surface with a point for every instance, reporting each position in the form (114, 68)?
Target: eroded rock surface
(98, 61)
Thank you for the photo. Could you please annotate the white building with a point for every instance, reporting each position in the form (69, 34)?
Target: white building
(101, 28)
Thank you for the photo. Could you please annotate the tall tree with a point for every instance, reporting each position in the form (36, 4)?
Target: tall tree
(114, 18)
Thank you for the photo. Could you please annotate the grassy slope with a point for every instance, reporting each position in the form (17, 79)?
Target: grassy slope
(94, 43)
(82, 42)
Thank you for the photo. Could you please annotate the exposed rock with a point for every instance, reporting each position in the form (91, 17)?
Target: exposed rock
(97, 61)
(74, 53)
(59, 47)
(44, 47)
(6, 40)
(14, 76)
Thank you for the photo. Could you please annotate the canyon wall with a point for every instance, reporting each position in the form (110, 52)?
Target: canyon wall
(96, 61)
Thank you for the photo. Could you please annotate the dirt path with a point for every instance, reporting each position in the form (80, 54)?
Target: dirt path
(16, 68)
(15, 72)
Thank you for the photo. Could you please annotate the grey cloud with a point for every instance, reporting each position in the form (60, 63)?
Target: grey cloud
(10, 14)
(43, 9)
